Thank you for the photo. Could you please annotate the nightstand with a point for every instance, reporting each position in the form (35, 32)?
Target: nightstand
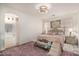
(71, 40)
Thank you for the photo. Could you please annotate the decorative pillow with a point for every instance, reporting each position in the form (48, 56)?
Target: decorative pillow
(56, 31)
(71, 40)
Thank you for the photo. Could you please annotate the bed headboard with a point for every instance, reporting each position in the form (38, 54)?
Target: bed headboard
(54, 27)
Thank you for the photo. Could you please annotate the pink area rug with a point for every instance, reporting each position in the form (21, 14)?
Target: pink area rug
(29, 49)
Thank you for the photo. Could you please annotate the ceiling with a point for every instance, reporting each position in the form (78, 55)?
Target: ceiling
(55, 8)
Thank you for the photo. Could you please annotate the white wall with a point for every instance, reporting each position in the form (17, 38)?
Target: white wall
(30, 27)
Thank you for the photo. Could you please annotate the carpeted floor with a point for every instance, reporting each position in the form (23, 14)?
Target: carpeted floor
(29, 49)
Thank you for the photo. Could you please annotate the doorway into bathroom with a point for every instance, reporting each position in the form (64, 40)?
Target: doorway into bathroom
(11, 30)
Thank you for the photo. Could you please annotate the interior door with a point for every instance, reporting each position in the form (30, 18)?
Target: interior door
(10, 31)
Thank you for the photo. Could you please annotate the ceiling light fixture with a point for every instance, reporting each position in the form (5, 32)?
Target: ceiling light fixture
(43, 8)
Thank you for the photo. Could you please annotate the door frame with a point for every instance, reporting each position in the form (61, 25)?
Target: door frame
(17, 31)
